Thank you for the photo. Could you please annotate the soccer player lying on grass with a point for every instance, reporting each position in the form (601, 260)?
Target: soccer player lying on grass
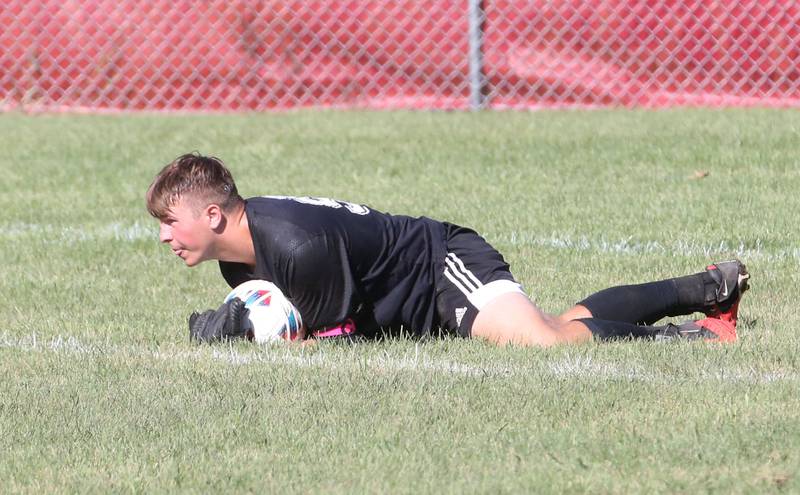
(338, 261)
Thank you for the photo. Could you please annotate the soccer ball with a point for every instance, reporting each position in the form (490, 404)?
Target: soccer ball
(270, 316)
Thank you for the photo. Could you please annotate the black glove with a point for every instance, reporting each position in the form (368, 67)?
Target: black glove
(220, 325)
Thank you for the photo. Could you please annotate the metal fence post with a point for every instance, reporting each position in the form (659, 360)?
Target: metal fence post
(477, 81)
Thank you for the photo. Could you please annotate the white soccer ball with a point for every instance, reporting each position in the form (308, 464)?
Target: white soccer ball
(270, 316)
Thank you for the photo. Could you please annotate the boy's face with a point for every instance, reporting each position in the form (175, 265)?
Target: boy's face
(188, 232)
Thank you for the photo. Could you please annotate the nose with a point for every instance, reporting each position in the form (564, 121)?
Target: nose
(164, 232)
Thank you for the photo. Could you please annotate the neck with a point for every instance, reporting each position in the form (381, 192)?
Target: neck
(235, 243)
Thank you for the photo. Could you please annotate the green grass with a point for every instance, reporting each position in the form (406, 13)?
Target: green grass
(102, 392)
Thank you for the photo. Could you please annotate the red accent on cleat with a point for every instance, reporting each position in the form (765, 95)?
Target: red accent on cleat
(731, 307)
(724, 329)
(731, 315)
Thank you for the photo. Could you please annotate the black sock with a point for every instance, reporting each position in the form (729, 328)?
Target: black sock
(695, 293)
(649, 302)
(610, 330)
(642, 303)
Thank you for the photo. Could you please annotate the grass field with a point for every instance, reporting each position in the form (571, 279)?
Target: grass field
(103, 392)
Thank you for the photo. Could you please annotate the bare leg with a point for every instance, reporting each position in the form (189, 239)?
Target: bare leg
(513, 319)
(575, 313)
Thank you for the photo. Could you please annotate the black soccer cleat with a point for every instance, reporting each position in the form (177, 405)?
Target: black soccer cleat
(728, 281)
(713, 329)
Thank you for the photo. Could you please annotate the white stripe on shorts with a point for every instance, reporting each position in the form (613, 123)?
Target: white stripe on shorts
(478, 293)
(458, 267)
(462, 278)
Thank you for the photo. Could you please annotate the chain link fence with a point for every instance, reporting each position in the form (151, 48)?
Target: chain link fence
(234, 55)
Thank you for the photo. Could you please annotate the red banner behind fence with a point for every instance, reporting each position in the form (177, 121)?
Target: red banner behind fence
(227, 55)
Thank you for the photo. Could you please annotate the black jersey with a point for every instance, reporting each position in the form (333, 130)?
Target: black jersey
(336, 260)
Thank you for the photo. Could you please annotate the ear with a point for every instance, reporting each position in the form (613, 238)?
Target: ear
(214, 215)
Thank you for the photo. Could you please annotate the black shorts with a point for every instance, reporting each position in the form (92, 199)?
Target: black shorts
(472, 274)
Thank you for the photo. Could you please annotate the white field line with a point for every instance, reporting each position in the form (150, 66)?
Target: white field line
(112, 231)
(138, 231)
(633, 246)
(565, 367)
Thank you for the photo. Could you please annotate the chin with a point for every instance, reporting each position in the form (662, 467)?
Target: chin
(188, 260)
(191, 262)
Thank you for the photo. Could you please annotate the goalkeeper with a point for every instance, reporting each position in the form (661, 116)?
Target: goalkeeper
(338, 261)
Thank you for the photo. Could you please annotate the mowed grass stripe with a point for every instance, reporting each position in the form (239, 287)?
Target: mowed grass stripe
(690, 247)
(561, 367)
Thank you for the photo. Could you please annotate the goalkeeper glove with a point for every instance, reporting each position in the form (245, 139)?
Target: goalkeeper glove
(223, 324)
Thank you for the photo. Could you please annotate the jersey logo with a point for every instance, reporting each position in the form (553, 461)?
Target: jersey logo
(330, 203)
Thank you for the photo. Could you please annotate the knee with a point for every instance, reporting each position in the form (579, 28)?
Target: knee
(514, 319)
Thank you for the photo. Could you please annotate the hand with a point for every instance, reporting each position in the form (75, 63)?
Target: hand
(221, 325)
